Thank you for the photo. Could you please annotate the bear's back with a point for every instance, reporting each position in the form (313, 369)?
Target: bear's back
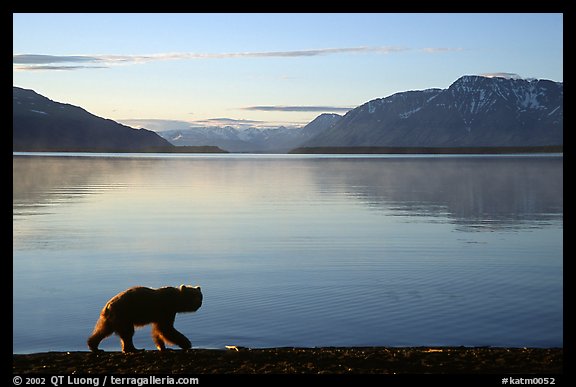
(141, 305)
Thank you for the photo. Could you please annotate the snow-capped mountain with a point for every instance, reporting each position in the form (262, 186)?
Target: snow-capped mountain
(280, 139)
(473, 111)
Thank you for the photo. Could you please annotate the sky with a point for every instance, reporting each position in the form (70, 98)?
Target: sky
(173, 71)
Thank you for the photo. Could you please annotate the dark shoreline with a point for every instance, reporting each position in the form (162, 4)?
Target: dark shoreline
(327, 360)
(357, 150)
(172, 149)
(492, 150)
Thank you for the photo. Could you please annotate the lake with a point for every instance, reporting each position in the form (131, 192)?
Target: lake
(293, 250)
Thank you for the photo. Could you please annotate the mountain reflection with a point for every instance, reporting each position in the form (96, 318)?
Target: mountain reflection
(38, 182)
(479, 193)
(475, 193)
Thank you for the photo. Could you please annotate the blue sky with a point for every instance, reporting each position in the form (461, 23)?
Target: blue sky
(168, 71)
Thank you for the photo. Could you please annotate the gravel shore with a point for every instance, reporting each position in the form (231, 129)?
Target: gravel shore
(329, 360)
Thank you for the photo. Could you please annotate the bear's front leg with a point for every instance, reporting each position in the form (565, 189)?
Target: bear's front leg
(168, 333)
(157, 337)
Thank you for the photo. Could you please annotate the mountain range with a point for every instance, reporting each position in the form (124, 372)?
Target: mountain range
(40, 124)
(475, 111)
(280, 139)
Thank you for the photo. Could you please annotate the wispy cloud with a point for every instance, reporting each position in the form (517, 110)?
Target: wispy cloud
(435, 50)
(47, 59)
(70, 62)
(227, 121)
(299, 108)
(159, 125)
(155, 124)
(52, 67)
(501, 75)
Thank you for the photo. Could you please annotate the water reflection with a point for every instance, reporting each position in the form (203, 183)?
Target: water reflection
(293, 250)
(39, 182)
(473, 193)
(476, 193)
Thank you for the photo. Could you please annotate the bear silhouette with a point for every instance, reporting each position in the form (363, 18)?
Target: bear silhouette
(139, 306)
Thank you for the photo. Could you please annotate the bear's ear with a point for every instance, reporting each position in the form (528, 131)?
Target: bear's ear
(184, 287)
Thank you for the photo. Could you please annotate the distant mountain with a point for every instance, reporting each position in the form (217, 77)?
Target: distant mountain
(279, 139)
(40, 124)
(474, 111)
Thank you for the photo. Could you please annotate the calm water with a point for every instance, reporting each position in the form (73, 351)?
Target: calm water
(293, 250)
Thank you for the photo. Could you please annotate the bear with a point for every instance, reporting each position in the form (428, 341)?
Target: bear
(139, 306)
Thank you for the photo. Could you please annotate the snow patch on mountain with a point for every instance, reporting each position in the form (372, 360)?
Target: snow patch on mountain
(473, 111)
(274, 139)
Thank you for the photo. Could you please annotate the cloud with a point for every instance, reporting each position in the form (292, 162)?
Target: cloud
(322, 51)
(36, 59)
(47, 62)
(237, 123)
(299, 108)
(159, 125)
(46, 59)
(43, 67)
(501, 75)
(155, 124)
(434, 50)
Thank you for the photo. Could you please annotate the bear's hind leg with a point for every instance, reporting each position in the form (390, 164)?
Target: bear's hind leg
(101, 331)
(167, 332)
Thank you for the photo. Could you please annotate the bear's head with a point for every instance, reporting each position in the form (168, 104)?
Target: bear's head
(190, 298)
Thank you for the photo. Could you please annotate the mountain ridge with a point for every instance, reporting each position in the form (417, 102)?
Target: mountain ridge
(473, 111)
(41, 124)
(279, 139)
